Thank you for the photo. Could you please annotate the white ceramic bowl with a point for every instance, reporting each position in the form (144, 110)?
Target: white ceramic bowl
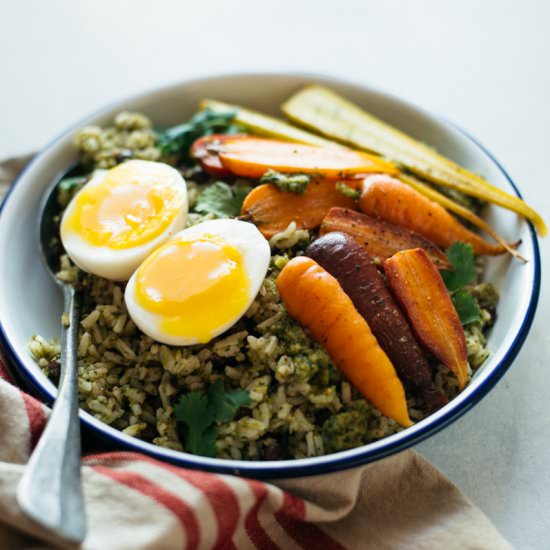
(31, 303)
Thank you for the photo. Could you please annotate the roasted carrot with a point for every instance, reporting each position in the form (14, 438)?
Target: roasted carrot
(333, 116)
(460, 211)
(272, 209)
(251, 157)
(421, 292)
(379, 238)
(316, 300)
(400, 204)
(346, 260)
(205, 150)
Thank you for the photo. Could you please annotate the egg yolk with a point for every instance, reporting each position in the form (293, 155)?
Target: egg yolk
(195, 285)
(135, 203)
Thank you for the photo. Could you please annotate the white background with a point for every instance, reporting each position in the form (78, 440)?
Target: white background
(483, 64)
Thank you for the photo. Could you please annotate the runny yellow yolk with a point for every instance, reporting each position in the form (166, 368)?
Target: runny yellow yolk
(132, 205)
(196, 286)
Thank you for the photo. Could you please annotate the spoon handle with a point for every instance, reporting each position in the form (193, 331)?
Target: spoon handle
(50, 490)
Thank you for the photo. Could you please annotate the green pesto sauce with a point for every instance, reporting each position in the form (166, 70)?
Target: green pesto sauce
(290, 183)
(346, 430)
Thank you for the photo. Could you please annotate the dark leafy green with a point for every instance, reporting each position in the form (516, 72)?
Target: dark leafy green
(201, 412)
(461, 257)
(466, 306)
(225, 404)
(195, 411)
(291, 183)
(221, 199)
(178, 139)
(68, 185)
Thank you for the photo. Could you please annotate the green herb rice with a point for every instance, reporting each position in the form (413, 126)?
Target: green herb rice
(262, 390)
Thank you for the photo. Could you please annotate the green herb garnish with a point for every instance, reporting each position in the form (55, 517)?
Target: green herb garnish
(195, 411)
(466, 306)
(290, 183)
(178, 139)
(461, 257)
(347, 191)
(68, 187)
(221, 199)
(201, 412)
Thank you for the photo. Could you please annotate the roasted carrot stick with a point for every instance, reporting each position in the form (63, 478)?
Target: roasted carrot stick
(204, 150)
(272, 209)
(346, 260)
(398, 203)
(379, 238)
(251, 157)
(419, 288)
(461, 211)
(316, 300)
(333, 116)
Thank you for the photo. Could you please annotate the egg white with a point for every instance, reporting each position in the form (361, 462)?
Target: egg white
(118, 264)
(256, 256)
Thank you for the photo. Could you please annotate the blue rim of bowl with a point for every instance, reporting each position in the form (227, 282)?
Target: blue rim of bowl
(328, 463)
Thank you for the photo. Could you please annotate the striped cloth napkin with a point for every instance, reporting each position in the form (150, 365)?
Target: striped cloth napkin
(136, 502)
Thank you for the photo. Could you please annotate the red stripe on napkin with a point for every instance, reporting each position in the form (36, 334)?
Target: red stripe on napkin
(222, 499)
(258, 535)
(292, 518)
(221, 496)
(35, 410)
(178, 507)
(36, 416)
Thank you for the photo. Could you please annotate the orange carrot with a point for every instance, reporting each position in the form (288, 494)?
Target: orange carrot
(316, 300)
(204, 150)
(251, 157)
(272, 209)
(419, 288)
(398, 203)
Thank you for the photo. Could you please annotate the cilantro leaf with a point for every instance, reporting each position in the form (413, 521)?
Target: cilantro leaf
(221, 199)
(461, 257)
(216, 396)
(178, 139)
(71, 183)
(206, 446)
(195, 411)
(68, 187)
(240, 398)
(200, 412)
(467, 307)
(226, 404)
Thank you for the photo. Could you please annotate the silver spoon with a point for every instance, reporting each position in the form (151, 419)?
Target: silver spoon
(50, 489)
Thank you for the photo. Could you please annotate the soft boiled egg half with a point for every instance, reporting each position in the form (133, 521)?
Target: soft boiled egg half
(121, 215)
(198, 284)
